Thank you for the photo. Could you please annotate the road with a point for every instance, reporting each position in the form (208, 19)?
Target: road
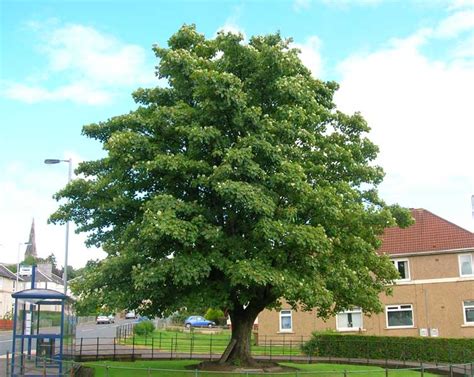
(85, 330)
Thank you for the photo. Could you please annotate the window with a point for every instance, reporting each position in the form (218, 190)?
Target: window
(468, 312)
(285, 321)
(399, 316)
(402, 267)
(465, 265)
(349, 320)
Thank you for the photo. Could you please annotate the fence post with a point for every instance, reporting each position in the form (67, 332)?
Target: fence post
(191, 347)
(159, 346)
(133, 348)
(8, 362)
(367, 352)
(114, 349)
(450, 370)
(97, 349)
(107, 371)
(345, 373)
(152, 346)
(291, 349)
(80, 350)
(176, 345)
(146, 339)
(386, 372)
(271, 349)
(210, 348)
(422, 369)
(171, 346)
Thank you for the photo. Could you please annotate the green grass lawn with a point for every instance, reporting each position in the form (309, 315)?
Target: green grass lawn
(202, 343)
(177, 368)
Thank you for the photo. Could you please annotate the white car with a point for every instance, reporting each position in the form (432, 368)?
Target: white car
(102, 319)
(130, 315)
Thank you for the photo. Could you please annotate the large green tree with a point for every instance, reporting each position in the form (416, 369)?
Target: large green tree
(238, 185)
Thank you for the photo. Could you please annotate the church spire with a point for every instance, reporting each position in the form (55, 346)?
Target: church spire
(31, 248)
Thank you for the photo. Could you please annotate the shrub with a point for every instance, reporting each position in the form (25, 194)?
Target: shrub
(390, 347)
(144, 328)
(216, 315)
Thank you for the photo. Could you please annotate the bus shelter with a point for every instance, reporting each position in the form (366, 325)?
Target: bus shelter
(44, 332)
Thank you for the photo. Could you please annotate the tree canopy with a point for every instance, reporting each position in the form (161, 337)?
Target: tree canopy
(237, 185)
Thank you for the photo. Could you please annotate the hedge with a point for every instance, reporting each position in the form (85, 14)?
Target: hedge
(419, 349)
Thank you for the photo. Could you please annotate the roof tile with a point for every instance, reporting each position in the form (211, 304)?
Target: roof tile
(429, 233)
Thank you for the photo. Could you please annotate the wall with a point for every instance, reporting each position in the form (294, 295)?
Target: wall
(6, 301)
(435, 290)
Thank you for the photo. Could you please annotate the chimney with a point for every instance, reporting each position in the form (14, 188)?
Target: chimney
(46, 269)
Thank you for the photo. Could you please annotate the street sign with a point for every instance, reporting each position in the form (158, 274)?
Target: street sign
(26, 270)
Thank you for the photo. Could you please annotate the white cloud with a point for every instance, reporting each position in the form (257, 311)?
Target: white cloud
(299, 5)
(420, 111)
(465, 48)
(456, 4)
(83, 66)
(96, 56)
(231, 24)
(310, 54)
(348, 3)
(455, 24)
(230, 27)
(21, 201)
(79, 92)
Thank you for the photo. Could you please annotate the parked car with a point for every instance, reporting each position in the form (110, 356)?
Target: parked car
(130, 315)
(144, 318)
(111, 318)
(102, 319)
(198, 321)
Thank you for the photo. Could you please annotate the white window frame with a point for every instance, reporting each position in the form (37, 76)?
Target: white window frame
(395, 263)
(399, 308)
(464, 307)
(286, 313)
(355, 310)
(460, 266)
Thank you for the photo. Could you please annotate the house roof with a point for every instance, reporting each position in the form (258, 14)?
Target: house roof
(429, 233)
(41, 277)
(6, 273)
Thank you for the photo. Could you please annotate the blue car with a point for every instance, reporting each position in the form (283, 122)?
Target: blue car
(198, 321)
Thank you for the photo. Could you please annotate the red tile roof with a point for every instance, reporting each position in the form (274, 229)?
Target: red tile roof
(429, 233)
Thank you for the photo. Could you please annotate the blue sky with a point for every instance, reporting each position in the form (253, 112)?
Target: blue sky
(408, 66)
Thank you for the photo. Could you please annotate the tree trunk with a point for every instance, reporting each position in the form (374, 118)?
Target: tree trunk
(238, 350)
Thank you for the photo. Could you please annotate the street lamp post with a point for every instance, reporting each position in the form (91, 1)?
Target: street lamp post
(20, 244)
(50, 161)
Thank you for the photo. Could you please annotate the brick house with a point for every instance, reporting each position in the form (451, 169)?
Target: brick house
(433, 297)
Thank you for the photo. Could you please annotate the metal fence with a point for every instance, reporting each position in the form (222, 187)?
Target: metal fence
(39, 367)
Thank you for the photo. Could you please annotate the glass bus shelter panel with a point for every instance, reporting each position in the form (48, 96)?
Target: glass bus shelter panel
(44, 337)
(69, 332)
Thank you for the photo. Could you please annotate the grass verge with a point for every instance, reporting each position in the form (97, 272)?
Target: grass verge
(179, 368)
